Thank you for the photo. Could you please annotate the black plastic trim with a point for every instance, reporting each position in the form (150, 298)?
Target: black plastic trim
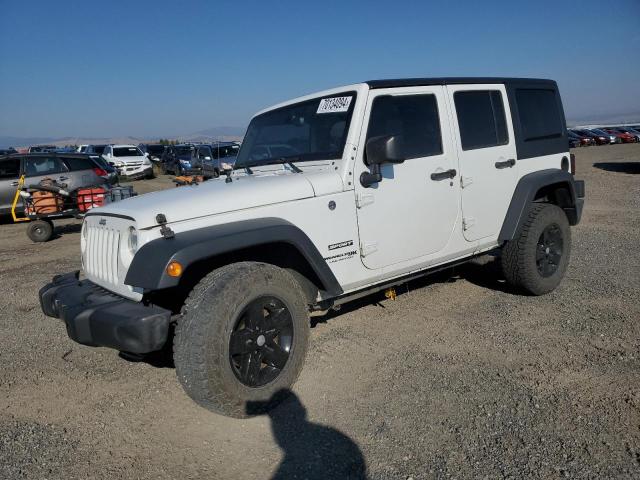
(148, 268)
(419, 82)
(106, 214)
(525, 193)
(98, 318)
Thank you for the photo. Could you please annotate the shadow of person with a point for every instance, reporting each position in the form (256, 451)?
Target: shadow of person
(311, 451)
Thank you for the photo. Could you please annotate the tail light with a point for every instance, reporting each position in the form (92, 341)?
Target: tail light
(572, 166)
(100, 172)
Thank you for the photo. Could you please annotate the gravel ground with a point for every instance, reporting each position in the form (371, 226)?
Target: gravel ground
(457, 378)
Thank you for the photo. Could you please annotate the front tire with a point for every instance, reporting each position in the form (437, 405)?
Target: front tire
(537, 258)
(242, 338)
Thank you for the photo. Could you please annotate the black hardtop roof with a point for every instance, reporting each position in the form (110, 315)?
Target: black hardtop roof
(419, 82)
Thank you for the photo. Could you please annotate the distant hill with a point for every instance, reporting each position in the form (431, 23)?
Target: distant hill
(224, 134)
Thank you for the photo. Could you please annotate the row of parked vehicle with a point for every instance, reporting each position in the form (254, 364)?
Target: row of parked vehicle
(584, 137)
(208, 160)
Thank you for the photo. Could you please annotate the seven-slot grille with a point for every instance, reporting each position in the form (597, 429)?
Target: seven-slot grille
(101, 253)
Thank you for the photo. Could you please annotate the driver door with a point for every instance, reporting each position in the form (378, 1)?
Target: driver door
(411, 213)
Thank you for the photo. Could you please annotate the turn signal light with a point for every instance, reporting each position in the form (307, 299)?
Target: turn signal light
(174, 269)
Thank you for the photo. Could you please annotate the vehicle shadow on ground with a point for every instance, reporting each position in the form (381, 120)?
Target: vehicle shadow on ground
(619, 167)
(311, 451)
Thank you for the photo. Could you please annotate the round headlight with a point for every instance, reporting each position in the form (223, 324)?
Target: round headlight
(133, 240)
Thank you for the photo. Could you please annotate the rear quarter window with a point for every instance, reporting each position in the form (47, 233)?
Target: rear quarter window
(540, 117)
(76, 164)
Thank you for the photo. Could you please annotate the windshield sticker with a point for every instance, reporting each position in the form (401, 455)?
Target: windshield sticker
(334, 104)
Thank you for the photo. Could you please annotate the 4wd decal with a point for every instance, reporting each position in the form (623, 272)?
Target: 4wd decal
(335, 246)
(341, 256)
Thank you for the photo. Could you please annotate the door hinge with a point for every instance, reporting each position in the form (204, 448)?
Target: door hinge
(468, 222)
(465, 181)
(363, 199)
(367, 248)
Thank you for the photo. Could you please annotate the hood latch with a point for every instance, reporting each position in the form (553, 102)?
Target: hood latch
(165, 230)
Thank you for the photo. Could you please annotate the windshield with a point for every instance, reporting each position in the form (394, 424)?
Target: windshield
(99, 149)
(223, 151)
(127, 152)
(313, 130)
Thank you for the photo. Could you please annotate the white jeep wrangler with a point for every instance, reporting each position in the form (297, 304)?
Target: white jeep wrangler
(334, 195)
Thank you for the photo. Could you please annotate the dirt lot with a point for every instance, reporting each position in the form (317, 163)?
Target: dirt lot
(459, 377)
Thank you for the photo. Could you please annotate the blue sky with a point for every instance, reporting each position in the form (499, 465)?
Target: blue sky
(110, 68)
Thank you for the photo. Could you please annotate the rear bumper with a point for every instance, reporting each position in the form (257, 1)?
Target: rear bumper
(98, 318)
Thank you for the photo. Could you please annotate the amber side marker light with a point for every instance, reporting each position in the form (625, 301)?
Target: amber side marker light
(174, 269)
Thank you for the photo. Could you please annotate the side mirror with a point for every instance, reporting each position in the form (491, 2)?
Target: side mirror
(378, 151)
(384, 149)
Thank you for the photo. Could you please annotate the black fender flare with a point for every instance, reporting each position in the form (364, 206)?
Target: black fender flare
(525, 193)
(149, 264)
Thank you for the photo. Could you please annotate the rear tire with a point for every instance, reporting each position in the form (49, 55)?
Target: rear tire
(227, 356)
(537, 258)
(40, 230)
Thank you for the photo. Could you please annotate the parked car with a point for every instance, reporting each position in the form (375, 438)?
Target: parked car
(176, 159)
(390, 180)
(72, 169)
(226, 153)
(7, 151)
(624, 137)
(82, 148)
(574, 140)
(597, 139)
(629, 131)
(612, 138)
(153, 150)
(583, 139)
(129, 161)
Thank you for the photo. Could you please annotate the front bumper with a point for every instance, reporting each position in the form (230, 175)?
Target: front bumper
(135, 172)
(99, 318)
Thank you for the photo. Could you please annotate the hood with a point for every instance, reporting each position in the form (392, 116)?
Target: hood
(136, 158)
(212, 197)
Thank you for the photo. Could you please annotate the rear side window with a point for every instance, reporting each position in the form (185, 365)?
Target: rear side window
(481, 119)
(76, 164)
(540, 116)
(35, 166)
(414, 117)
(9, 168)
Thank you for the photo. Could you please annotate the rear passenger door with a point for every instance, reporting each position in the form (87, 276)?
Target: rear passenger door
(487, 156)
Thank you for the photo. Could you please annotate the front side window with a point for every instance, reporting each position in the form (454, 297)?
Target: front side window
(312, 130)
(127, 152)
(539, 113)
(35, 166)
(481, 119)
(412, 117)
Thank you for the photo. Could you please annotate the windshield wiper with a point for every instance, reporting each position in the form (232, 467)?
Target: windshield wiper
(277, 161)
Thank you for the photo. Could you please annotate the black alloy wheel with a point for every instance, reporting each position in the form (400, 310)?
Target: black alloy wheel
(261, 341)
(549, 250)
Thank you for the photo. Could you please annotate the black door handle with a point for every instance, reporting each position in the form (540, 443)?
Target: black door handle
(444, 175)
(506, 164)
